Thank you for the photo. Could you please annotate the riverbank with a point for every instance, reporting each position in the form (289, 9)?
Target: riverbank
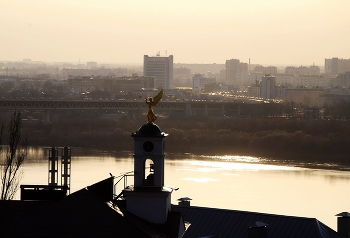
(238, 184)
(314, 141)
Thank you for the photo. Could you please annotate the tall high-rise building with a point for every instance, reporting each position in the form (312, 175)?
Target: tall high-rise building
(268, 87)
(161, 68)
(232, 68)
(336, 66)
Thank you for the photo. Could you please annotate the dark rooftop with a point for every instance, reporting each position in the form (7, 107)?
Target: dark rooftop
(230, 223)
(81, 214)
(88, 212)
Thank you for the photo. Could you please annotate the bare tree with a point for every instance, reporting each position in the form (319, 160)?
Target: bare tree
(15, 154)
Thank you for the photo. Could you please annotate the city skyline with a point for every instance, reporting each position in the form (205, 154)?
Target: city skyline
(271, 32)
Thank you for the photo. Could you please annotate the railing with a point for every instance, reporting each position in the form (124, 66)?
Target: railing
(124, 178)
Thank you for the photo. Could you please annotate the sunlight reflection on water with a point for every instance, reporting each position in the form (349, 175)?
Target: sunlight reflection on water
(211, 166)
(235, 158)
(201, 180)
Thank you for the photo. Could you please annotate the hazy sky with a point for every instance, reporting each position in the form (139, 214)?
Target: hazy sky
(122, 31)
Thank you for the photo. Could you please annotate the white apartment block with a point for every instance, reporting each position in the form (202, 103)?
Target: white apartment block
(341, 81)
(303, 70)
(336, 66)
(268, 87)
(161, 68)
(199, 81)
(234, 71)
(253, 91)
(309, 81)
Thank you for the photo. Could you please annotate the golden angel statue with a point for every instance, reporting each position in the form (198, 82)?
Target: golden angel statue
(152, 102)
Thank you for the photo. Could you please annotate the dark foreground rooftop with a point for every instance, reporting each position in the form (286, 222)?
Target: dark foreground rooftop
(86, 213)
(90, 212)
(211, 222)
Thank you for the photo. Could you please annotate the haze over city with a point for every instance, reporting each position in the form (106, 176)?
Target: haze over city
(268, 32)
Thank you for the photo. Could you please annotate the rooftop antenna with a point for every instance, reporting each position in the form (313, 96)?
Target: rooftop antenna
(53, 166)
(66, 167)
(158, 53)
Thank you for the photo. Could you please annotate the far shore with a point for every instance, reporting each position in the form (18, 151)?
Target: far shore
(308, 141)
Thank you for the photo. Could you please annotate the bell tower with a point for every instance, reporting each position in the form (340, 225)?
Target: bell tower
(149, 199)
(149, 158)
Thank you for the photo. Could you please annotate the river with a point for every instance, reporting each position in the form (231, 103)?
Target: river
(229, 182)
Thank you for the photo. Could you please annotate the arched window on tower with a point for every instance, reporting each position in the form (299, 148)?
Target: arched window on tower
(149, 172)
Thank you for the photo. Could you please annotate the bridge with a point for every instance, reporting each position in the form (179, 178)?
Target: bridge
(182, 109)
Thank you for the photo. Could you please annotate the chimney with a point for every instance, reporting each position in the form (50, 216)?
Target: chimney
(258, 230)
(343, 224)
(184, 202)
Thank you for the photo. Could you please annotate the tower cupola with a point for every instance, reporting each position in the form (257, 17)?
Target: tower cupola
(149, 199)
(149, 143)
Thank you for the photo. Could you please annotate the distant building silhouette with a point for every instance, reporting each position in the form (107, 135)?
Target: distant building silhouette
(342, 80)
(268, 87)
(161, 68)
(303, 70)
(259, 69)
(182, 77)
(232, 68)
(110, 84)
(199, 81)
(91, 65)
(336, 66)
(306, 96)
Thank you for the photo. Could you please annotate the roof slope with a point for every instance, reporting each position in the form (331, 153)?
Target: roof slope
(88, 212)
(81, 214)
(230, 223)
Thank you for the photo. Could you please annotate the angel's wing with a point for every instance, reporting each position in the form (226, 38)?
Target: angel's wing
(157, 98)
